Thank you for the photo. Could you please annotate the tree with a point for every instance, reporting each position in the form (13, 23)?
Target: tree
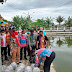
(22, 22)
(48, 21)
(59, 42)
(68, 22)
(59, 20)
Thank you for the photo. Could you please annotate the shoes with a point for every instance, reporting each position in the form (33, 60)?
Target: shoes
(6, 58)
(20, 58)
(25, 58)
(18, 62)
(30, 60)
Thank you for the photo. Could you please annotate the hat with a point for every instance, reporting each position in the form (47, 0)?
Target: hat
(31, 30)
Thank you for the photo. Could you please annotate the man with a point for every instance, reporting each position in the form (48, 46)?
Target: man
(41, 29)
(3, 45)
(38, 30)
(42, 40)
(2, 26)
(32, 43)
(23, 45)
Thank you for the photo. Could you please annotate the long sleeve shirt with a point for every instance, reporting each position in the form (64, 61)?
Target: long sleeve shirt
(41, 54)
(32, 39)
(3, 40)
(23, 41)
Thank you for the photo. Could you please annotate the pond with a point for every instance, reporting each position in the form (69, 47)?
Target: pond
(62, 45)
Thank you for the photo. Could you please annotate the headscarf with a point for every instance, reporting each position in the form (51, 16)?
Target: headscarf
(13, 35)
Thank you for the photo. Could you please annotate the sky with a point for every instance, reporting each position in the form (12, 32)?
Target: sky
(37, 8)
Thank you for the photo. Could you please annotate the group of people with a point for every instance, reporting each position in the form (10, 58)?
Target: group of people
(17, 43)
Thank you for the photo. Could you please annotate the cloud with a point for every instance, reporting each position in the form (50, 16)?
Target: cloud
(42, 8)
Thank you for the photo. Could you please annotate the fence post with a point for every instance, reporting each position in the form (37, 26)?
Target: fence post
(57, 28)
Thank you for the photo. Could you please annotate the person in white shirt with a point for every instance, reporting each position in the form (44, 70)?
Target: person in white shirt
(3, 45)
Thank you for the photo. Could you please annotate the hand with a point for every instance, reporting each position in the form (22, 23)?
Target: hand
(47, 46)
(36, 65)
(20, 46)
(12, 51)
(30, 48)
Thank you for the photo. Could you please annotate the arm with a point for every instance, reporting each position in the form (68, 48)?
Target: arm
(47, 41)
(29, 42)
(37, 42)
(26, 40)
(36, 59)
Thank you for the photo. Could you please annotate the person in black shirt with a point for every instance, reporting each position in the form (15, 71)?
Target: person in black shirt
(42, 41)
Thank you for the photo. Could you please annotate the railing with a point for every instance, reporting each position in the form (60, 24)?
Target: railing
(58, 29)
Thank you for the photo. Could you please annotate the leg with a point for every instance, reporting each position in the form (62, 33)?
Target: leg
(48, 62)
(5, 52)
(25, 53)
(2, 54)
(21, 53)
(30, 56)
(18, 54)
(13, 55)
(8, 50)
(28, 51)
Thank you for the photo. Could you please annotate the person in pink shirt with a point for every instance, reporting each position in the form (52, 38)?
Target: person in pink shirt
(23, 45)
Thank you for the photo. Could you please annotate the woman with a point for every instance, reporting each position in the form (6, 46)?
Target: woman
(15, 48)
(44, 54)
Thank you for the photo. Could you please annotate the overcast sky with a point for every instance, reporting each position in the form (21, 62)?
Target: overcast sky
(42, 8)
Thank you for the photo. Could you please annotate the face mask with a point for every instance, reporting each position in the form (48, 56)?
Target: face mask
(40, 35)
(31, 34)
(16, 36)
(23, 34)
(7, 32)
(38, 31)
(34, 31)
(3, 33)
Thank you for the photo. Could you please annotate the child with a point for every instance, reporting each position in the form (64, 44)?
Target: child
(15, 48)
(23, 44)
(44, 54)
(3, 45)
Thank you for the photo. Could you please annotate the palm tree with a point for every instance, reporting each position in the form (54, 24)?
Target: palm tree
(59, 20)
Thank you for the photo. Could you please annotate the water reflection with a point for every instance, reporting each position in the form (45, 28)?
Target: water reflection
(60, 41)
(62, 45)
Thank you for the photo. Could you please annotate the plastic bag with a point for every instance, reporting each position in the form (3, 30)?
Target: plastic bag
(28, 69)
(14, 65)
(36, 69)
(32, 65)
(9, 68)
(18, 69)
(21, 65)
(4, 67)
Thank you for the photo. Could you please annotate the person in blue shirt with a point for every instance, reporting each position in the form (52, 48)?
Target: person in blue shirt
(41, 29)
